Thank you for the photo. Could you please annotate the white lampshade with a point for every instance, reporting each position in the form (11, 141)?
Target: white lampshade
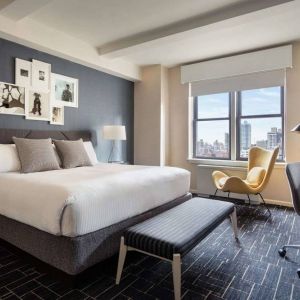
(114, 132)
(296, 128)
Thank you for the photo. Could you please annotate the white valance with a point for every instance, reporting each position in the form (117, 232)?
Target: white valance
(239, 83)
(278, 58)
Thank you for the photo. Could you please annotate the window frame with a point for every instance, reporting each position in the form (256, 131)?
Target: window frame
(234, 118)
(196, 120)
(240, 117)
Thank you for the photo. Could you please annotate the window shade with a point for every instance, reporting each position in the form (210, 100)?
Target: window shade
(238, 83)
(254, 62)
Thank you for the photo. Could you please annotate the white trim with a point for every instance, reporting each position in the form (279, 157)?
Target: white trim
(279, 202)
(190, 124)
(269, 201)
(216, 163)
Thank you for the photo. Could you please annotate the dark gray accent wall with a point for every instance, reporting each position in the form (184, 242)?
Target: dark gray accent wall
(103, 99)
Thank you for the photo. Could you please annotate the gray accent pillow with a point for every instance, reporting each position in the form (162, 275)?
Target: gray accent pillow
(36, 155)
(72, 154)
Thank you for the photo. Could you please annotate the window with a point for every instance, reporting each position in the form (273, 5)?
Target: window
(260, 120)
(212, 126)
(253, 117)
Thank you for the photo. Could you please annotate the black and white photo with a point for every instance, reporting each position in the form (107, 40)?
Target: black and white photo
(23, 72)
(57, 115)
(64, 90)
(41, 73)
(38, 106)
(12, 99)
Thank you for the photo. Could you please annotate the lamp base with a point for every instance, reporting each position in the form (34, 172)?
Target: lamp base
(116, 162)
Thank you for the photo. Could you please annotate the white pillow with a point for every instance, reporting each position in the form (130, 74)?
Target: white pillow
(91, 152)
(9, 158)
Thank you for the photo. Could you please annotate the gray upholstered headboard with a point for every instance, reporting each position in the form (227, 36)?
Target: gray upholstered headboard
(7, 134)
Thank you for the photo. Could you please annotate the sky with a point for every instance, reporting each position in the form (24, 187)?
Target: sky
(254, 102)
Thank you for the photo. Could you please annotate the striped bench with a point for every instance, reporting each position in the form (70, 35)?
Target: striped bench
(172, 234)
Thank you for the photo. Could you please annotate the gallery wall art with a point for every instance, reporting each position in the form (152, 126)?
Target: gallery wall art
(65, 90)
(57, 115)
(23, 72)
(38, 106)
(38, 94)
(12, 99)
(41, 73)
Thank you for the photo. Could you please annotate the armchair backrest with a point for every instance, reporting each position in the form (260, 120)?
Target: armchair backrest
(259, 157)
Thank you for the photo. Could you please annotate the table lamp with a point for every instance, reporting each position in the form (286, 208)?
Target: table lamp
(296, 128)
(114, 133)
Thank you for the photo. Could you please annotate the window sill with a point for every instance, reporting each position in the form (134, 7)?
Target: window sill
(227, 164)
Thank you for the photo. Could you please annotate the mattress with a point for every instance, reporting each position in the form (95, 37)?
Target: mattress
(74, 202)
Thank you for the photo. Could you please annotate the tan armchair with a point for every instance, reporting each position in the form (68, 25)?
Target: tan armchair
(260, 165)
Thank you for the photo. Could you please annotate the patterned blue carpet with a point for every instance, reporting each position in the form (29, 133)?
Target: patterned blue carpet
(218, 268)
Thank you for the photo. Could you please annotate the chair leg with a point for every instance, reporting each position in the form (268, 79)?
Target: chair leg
(122, 256)
(176, 268)
(263, 200)
(215, 194)
(249, 199)
(282, 253)
(234, 223)
(228, 195)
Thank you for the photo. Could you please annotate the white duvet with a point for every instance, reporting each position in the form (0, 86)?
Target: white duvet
(77, 201)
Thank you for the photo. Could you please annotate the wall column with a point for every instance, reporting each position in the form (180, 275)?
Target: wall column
(151, 117)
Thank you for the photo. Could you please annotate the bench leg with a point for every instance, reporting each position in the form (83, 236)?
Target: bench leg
(122, 256)
(234, 223)
(176, 267)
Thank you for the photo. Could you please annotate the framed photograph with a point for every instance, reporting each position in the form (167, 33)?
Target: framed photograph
(12, 99)
(57, 115)
(41, 73)
(38, 106)
(64, 90)
(23, 72)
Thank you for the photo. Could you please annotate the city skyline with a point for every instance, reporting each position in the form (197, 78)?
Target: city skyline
(221, 150)
(259, 101)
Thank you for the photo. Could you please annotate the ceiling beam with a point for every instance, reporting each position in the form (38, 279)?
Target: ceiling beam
(19, 9)
(4, 3)
(44, 38)
(130, 44)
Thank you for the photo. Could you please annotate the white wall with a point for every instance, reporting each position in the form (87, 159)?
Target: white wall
(277, 190)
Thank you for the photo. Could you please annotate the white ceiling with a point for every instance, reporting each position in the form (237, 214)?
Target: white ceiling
(146, 32)
(273, 26)
(101, 21)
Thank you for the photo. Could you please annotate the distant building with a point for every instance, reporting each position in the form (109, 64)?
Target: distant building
(245, 135)
(262, 144)
(274, 138)
(226, 141)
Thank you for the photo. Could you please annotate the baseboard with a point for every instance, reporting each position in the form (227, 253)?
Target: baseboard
(279, 202)
(269, 201)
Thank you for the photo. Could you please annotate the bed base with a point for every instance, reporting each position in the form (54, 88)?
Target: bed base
(71, 259)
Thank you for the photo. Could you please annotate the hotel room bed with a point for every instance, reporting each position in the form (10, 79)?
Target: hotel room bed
(73, 218)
